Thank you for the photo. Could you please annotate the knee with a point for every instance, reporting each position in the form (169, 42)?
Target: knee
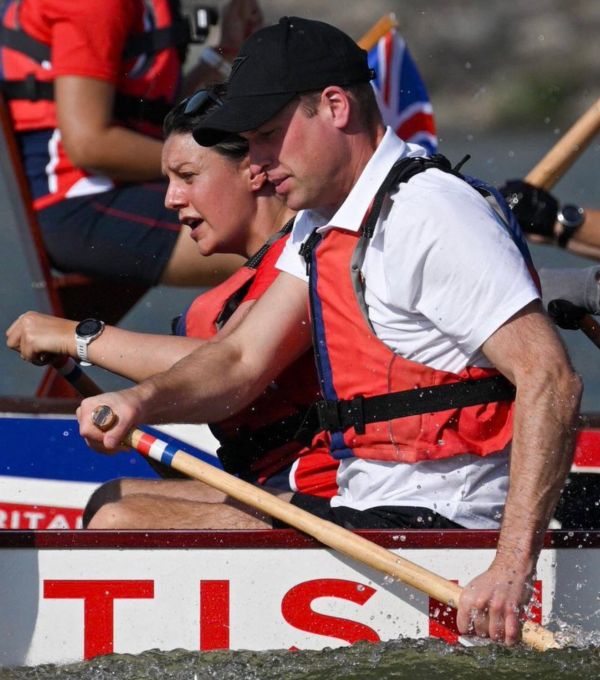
(111, 516)
(108, 516)
(109, 492)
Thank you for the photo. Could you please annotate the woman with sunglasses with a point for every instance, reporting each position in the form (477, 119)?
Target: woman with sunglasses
(229, 210)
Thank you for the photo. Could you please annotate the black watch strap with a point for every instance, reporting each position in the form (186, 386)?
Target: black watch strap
(570, 217)
(565, 236)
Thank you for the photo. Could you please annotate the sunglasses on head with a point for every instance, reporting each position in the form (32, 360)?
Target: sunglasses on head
(199, 102)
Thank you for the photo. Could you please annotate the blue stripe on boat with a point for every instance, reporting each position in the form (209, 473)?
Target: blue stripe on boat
(51, 448)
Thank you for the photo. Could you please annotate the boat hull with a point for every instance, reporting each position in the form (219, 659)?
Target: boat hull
(127, 592)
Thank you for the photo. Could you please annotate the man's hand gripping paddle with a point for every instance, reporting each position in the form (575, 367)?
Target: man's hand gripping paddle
(331, 535)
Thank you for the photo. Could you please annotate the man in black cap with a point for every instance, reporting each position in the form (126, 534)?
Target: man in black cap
(424, 316)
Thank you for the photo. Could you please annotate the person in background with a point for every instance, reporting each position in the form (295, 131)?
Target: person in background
(88, 85)
(567, 226)
(417, 287)
(260, 443)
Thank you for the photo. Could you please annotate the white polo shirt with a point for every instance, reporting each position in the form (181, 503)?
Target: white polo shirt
(441, 275)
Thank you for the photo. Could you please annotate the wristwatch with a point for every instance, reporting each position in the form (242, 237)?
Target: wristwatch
(571, 217)
(86, 331)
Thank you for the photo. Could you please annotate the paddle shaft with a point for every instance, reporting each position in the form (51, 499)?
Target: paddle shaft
(329, 534)
(72, 373)
(563, 154)
(591, 328)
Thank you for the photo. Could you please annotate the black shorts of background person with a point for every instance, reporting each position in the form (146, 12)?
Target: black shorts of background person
(384, 517)
(124, 234)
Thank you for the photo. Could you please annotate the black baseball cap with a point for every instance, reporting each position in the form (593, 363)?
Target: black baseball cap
(277, 63)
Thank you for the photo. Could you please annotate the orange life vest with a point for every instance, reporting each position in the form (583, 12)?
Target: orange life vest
(266, 436)
(377, 404)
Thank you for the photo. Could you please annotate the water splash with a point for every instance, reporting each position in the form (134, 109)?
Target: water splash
(411, 659)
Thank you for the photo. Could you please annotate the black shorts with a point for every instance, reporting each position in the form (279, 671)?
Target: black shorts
(384, 517)
(123, 234)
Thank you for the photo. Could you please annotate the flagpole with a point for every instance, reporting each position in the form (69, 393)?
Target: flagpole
(377, 31)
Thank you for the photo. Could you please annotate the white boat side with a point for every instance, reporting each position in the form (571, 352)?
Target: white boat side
(76, 594)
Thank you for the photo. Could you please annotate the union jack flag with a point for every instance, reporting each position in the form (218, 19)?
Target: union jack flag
(401, 93)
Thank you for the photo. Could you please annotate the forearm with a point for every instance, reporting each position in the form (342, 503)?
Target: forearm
(122, 154)
(207, 385)
(586, 240)
(544, 432)
(137, 356)
(542, 450)
(219, 378)
(84, 109)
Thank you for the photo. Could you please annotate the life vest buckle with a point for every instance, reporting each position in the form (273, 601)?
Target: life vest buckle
(31, 87)
(329, 416)
(357, 413)
(339, 415)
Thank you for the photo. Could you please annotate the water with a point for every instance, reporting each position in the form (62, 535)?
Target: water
(413, 660)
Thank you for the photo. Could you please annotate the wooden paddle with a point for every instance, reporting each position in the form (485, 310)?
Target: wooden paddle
(564, 153)
(70, 371)
(325, 532)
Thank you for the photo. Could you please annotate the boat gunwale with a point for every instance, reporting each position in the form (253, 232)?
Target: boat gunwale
(270, 538)
(15, 406)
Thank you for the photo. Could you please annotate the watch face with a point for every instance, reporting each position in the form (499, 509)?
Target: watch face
(572, 215)
(88, 327)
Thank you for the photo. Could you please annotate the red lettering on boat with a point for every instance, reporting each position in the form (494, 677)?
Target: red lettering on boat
(297, 611)
(98, 607)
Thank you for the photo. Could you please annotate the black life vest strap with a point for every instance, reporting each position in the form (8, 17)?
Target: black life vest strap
(29, 88)
(150, 42)
(306, 249)
(20, 41)
(337, 416)
(126, 107)
(176, 35)
(252, 263)
(402, 171)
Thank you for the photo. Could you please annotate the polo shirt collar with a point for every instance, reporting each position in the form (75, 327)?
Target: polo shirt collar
(350, 214)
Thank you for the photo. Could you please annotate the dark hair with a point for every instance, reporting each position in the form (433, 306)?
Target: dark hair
(361, 93)
(178, 122)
